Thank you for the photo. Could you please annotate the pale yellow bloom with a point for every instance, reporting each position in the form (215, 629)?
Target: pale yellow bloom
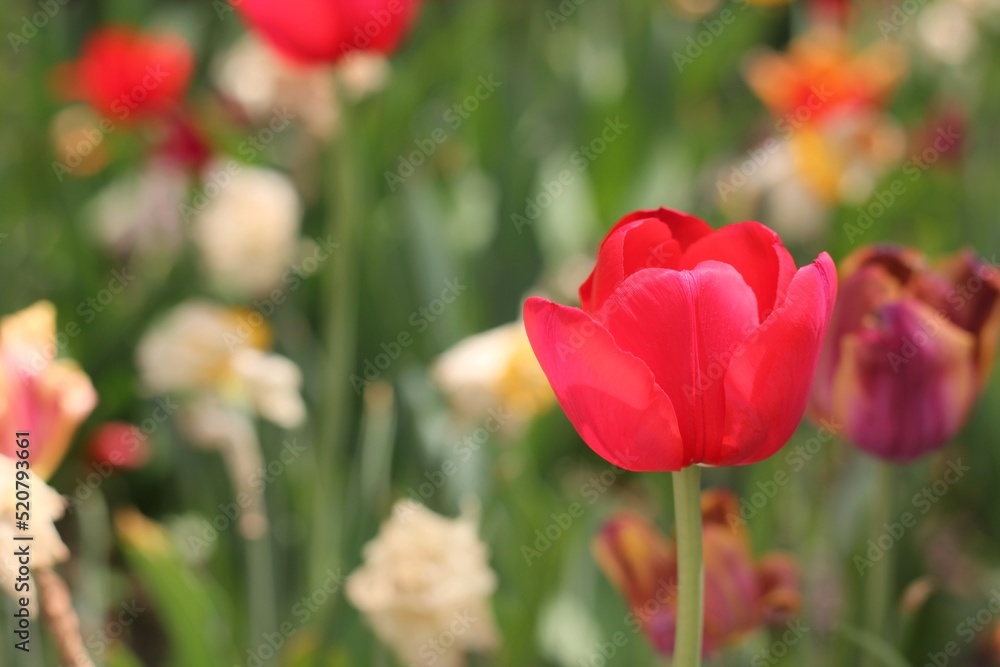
(425, 587)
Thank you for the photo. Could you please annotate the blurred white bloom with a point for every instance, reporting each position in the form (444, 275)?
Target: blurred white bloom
(494, 370)
(140, 212)
(47, 506)
(425, 587)
(947, 30)
(248, 234)
(203, 348)
(261, 82)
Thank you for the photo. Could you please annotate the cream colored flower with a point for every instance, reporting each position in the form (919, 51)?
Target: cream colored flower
(203, 348)
(248, 233)
(264, 84)
(39, 393)
(425, 587)
(494, 370)
(47, 506)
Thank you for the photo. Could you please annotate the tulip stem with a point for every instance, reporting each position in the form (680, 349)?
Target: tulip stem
(690, 567)
(879, 585)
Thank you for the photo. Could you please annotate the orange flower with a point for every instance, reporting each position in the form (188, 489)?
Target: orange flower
(45, 396)
(740, 595)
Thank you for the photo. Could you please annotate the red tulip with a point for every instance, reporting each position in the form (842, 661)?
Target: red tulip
(740, 595)
(316, 31)
(125, 74)
(691, 345)
(120, 445)
(909, 349)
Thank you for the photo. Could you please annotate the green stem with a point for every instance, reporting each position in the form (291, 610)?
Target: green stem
(878, 588)
(690, 568)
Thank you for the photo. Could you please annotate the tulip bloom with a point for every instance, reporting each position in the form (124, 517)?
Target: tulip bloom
(691, 345)
(909, 349)
(44, 396)
(120, 445)
(741, 595)
(124, 74)
(318, 31)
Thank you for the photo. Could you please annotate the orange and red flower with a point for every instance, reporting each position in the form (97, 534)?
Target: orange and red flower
(909, 349)
(45, 396)
(691, 345)
(741, 594)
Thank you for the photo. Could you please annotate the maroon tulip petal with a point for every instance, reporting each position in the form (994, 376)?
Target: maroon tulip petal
(756, 252)
(640, 240)
(685, 325)
(607, 394)
(768, 381)
(906, 383)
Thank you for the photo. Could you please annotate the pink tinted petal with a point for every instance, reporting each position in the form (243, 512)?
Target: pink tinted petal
(607, 394)
(906, 383)
(861, 293)
(639, 240)
(756, 252)
(684, 325)
(768, 380)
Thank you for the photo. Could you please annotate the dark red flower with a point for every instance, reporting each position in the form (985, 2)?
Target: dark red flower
(691, 345)
(316, 31)
(120, 445)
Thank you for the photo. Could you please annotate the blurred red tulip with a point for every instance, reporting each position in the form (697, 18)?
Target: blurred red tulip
(909, 349)
(691, 346)
(740, 595)
(40, 394)
(124, 74)
(317, 31)
(120, 445)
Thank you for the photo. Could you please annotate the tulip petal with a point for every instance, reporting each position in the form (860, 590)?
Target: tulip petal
(684, 325)
(906, 383)
(768, 380)
(643, 239)
(607, 394)
(756, 252)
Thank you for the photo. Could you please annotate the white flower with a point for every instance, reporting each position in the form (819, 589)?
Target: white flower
(47, 506)
(202, 348)
(425, 587)
(263, 83)
(141, 211)
(497, 370)
(248, 233)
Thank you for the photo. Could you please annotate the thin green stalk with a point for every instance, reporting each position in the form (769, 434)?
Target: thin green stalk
(878, 588)
(690, 568)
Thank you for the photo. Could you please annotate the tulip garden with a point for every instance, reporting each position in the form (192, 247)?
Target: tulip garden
(437, 333)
